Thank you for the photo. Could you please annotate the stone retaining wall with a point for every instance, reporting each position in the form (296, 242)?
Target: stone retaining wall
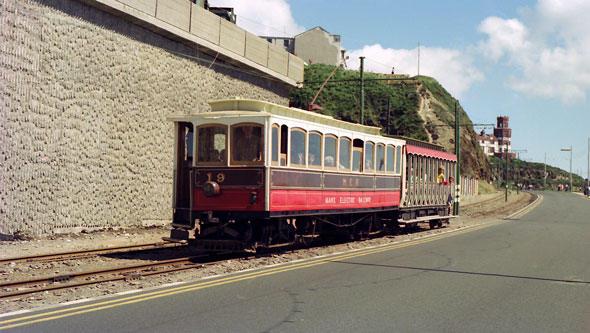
(84, 143)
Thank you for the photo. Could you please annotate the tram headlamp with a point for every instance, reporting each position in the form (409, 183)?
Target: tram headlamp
(211, 189)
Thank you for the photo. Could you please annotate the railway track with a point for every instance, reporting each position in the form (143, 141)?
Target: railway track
(85, 253)
(478, 209)
(18, 289)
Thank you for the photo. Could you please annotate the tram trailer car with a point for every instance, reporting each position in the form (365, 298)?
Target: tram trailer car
(251, 174)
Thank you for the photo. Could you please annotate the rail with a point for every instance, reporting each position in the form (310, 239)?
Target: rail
(76, 254)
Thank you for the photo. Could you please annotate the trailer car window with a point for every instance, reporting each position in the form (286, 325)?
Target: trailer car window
(398, 159)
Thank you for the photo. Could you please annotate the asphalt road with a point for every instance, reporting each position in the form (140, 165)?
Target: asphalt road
(527, 274)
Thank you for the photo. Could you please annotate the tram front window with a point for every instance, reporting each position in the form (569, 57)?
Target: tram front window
(247, 144)
(212, 144)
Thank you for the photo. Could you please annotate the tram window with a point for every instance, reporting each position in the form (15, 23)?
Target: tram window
(357, 155)
(389, 166)
(369, 156)
(284, 144)
(344, 154)
(380, 157)
(330, 152)
(398, 159)
(314, 156)
(275, 144)
(247, 144)
(188, 143)
(212, 144)
(185, 144)
(297, 147)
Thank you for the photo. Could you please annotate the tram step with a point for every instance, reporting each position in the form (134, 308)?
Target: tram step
(175, 240)
(426, 218)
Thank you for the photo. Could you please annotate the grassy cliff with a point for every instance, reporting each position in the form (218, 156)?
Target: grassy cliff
(417, 107)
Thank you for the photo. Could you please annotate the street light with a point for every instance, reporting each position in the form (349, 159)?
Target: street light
(570, 150)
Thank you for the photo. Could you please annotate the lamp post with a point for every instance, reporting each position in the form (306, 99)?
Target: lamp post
(570, 150)
(362, 93)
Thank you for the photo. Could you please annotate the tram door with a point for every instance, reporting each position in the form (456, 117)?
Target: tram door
(182, 178)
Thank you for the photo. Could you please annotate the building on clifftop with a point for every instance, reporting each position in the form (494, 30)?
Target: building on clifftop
(315, 46)
(498, 143)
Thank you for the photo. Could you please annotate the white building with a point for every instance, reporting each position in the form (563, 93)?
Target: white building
(497, 144)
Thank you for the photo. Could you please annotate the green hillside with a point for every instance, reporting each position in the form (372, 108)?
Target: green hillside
(395, 106)
(532, 173)
(342, 100)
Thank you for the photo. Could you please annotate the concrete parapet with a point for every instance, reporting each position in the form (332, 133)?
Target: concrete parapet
(232, 37)
(295, 68)
(205, 25)
(146, 6)
(257, 49)
(185, 22)
(278, 60)
(175, 12)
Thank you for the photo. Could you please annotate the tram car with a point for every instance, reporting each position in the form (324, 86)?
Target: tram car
(251, 174)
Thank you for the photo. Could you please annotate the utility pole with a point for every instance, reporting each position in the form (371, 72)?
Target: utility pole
(458, 153)
(418, 58)
(506, 175)
(362, 90)
(388, 114)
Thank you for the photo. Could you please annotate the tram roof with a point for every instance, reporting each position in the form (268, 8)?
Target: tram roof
(240, 106)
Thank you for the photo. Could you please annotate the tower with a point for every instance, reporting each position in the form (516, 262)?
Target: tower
(503, 133)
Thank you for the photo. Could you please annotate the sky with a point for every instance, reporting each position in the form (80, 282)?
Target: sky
(528, 60)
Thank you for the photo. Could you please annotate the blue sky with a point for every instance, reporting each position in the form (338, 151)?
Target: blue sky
(528, 60)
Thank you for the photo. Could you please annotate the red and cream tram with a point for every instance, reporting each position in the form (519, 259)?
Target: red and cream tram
(251, 173)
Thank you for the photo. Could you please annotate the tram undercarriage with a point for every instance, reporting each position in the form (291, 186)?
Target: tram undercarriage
(214, 234)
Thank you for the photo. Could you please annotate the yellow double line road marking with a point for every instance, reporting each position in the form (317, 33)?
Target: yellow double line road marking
(57, 314)
(528, 208)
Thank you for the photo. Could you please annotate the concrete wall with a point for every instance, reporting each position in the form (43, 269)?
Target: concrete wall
(188, 23)
(84, 143)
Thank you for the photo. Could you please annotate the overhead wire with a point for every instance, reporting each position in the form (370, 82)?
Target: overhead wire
(275, 28)
(378, 63)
